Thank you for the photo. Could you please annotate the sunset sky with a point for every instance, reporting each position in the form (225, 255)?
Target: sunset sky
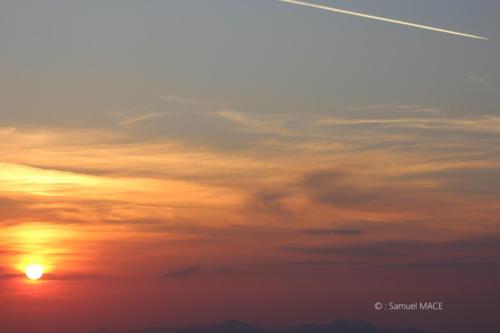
(179, 162)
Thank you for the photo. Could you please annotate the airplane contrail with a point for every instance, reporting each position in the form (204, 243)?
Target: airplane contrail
(379, 18)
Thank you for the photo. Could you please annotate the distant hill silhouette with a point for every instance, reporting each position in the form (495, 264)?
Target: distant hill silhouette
(241, 327)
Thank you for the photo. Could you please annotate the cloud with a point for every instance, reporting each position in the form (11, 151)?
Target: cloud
(164, 106)
(318, 263)
(9, 276)
(385, 249)
(82, 276)
(475, 181)
(336, 188)
(474, 249)
(408, 108)
(188, 102)
(183, 272)
(404, 192)
(76, 276)
(110, 178)
(292, 183)
(479, 124)
(487, 244)
(477, 79)
(340, 232)
(140, 118)
(485, 266)
(269, 201)
(18, 209)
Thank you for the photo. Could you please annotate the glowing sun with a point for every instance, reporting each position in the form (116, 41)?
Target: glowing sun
(34, 272)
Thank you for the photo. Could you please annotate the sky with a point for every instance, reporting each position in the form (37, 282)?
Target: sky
(183, 162)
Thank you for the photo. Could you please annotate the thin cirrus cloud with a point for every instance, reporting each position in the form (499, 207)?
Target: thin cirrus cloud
(383, 19)
(165, 191)
(481, 124)
(339, 232)
(183, 272)
(478, 247)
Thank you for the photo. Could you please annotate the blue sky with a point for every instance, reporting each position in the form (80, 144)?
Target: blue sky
(259, 56)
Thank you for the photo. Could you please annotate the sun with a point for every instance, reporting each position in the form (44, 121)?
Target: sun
(34, 272)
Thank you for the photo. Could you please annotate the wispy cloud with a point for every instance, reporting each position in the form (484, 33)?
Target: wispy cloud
(411, 108)
(485, 124)
(183, 272)
(188, 101)
(421, 251)
(332, 231)
(477, 79)
(300, 177)
(139, 118)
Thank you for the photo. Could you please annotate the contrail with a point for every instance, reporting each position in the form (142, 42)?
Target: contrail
(378, 18)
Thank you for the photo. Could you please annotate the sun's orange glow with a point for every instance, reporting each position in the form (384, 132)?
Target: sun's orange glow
(34, 272)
